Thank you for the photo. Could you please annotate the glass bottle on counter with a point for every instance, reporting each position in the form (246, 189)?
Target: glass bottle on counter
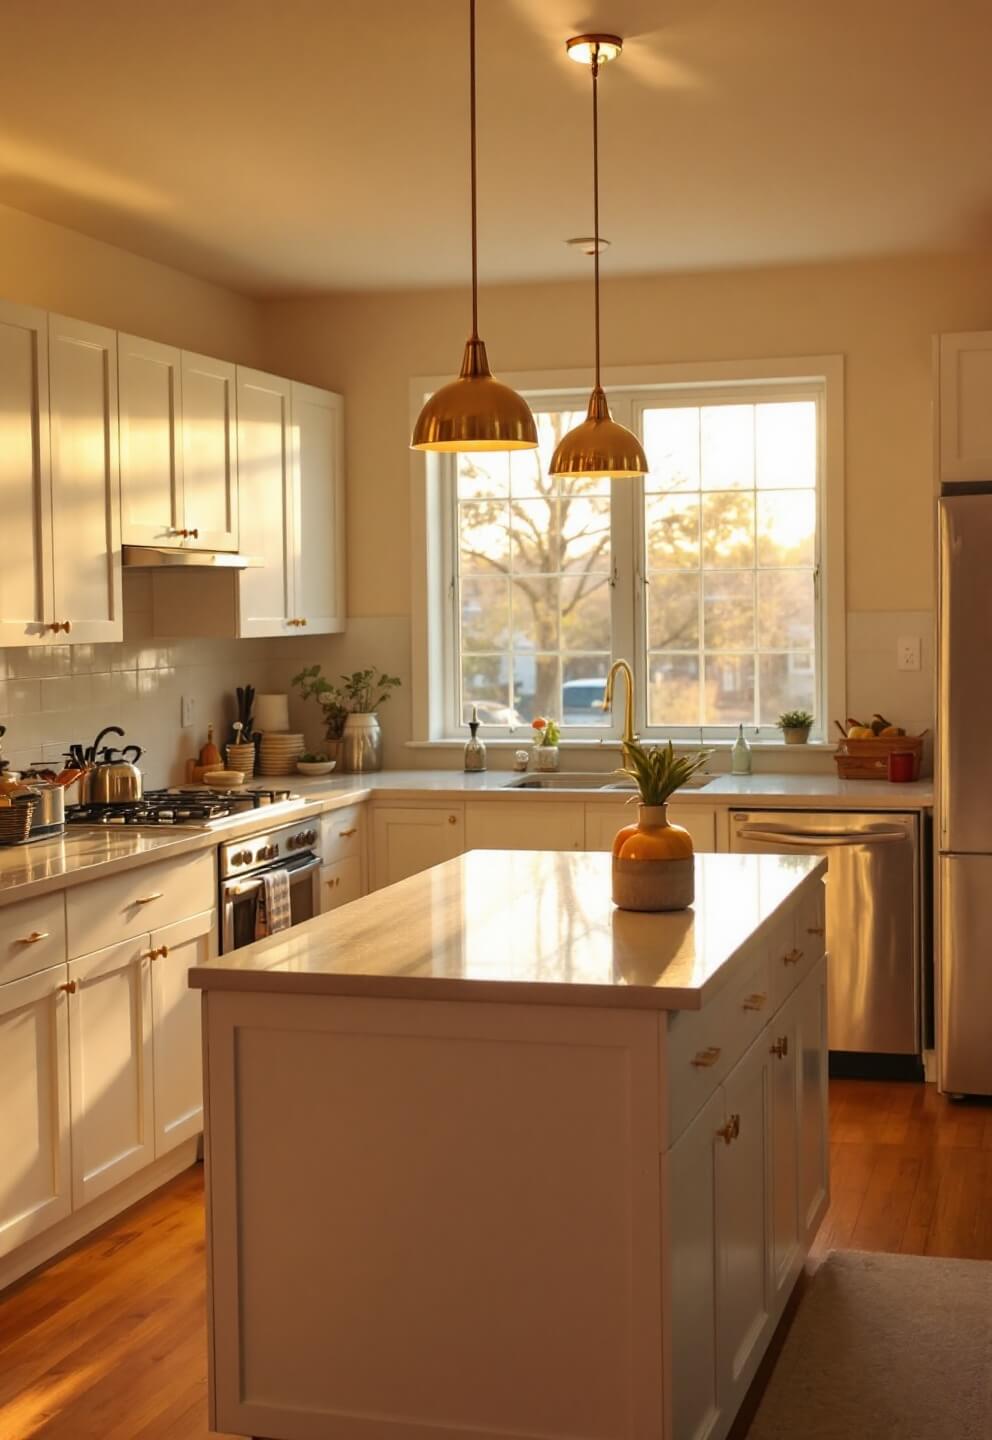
(475, 750)
(740, 756)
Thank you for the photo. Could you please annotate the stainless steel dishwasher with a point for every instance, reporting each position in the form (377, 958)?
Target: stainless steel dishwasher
(873, 925)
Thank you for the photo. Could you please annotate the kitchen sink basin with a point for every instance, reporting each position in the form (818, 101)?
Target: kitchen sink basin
(579, 780)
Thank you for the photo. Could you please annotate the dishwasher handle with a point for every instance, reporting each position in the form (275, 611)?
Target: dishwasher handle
(812, 841)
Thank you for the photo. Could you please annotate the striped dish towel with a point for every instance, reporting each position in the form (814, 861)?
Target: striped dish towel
(275, 912)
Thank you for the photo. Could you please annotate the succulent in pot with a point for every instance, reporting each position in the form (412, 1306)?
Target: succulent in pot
(795, 726)
(653, 865)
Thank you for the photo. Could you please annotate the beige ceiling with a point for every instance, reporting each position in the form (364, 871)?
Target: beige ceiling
(284, 146)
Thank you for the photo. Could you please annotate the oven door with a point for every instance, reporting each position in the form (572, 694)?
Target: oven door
(240, 898)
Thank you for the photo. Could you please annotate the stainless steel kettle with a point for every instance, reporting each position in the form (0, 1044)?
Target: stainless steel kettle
(114, 779)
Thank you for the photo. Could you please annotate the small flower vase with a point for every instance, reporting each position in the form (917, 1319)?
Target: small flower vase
(653, 866)
(546, 757)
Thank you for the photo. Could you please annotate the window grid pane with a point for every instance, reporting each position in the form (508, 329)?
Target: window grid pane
(730, 549)
(533, 576)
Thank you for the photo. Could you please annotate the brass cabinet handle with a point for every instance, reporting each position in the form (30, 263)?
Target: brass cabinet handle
(817, 930)
(147, 899)
(58, 625)
(452, 819)
(335, 881)
(792, 957)
(754, 1002)
(188, 534)
(158, 954)
(703, 1059)
(729, 1132)
(69, 987)
(780, 1047)
(34, 937)
(352, 831)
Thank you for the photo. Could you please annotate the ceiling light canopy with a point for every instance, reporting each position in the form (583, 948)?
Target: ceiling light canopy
(599, 447)
(476, 411)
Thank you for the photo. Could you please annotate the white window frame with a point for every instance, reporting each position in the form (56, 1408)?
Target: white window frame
(631, 390)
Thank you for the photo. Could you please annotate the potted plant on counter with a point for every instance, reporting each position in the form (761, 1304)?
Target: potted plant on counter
(653, 867)
(795, 725)
(313, 686)
(361, 741)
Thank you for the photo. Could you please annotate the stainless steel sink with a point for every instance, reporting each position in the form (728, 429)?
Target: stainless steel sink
(579, 780)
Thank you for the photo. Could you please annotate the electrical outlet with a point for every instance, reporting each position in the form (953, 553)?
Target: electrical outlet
(908, 652)
(187, 712)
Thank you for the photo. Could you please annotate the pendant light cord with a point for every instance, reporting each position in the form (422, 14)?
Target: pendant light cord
(475, 217)
(595, 195)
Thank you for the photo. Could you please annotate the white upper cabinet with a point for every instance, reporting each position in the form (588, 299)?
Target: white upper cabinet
(86, 529)
(265, 491)
(25, 477)
(318, 518)
(151, 449)
(210, 460)
(965, 408)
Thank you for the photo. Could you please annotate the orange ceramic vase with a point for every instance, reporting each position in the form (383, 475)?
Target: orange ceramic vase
(653, 865)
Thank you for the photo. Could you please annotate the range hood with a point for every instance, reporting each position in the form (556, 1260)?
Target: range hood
(158, 557)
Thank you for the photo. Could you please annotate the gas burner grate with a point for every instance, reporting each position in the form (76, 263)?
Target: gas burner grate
(180, 806)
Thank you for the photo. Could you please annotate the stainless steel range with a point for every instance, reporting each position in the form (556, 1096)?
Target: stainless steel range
(188, 807)
(243, 865)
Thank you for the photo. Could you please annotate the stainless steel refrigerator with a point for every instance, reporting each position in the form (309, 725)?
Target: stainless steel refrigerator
(964, 794)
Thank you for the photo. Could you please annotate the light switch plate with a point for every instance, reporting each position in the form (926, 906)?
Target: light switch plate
(908, 652)
(187, 711)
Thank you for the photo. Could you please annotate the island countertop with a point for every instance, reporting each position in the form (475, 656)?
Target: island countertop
(537, 926)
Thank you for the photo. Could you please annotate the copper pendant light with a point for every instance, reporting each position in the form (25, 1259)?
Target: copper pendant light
(474, 412)
(599, 447)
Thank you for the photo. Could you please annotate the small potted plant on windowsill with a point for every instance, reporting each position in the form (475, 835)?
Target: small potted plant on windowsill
(546, 737)
(795, 726)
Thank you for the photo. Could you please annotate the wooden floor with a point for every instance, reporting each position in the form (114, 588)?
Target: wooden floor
(108, 1342)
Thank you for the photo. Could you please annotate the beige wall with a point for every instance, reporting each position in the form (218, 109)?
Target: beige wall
(58, 269)
(880, 316)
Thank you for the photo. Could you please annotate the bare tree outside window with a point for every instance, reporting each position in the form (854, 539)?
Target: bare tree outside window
(533, 584)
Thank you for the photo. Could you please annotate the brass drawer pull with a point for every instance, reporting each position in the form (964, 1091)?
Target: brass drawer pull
(703, 1059)
(452, 819)
(345, 833)
(333, 882)
(816, 930)
(147, 899)
(34, 937)
(792, 957)
(754, 1002)
(780, 1047)
(729, 1132)
(69, 987)
(160, 953)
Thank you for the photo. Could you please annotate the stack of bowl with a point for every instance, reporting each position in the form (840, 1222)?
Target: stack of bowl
(279, 751)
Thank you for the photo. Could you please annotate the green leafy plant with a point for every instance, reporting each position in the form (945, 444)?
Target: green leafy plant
(657, 771)
(315, 757)
(795, 720)
(313, 686)
(361, 686)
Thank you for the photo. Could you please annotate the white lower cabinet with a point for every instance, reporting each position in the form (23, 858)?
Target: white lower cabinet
(408, 839)
(35, 1181)
(110, 1045)
(178, 1072)
(604, 820)
(746, 1185)
(340, 883)
(519, 824)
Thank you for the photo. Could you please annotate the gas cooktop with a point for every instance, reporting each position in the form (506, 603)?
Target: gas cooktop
(190, 807)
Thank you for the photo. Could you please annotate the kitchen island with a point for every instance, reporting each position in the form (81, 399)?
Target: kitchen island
(489, 1158)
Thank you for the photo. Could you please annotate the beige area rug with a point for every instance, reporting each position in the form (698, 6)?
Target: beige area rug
(885, 1347)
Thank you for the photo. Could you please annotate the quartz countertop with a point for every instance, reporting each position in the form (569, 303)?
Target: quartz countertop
(817, 792)
(532, 926)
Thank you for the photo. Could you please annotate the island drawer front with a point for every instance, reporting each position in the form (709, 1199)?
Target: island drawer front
(123, 907)
(797, 943)
(32, 936)
(704, 1045)
(341, 834)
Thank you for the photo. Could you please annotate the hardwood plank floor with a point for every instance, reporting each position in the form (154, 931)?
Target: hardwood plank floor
(108, 1342)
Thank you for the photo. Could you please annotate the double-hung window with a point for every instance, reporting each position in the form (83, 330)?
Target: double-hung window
(707, 574)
